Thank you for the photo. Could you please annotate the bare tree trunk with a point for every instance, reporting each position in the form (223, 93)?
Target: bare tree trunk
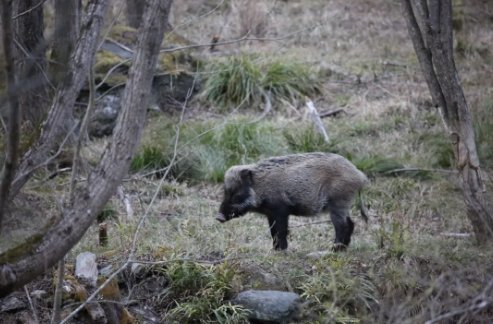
(135, 11)
(102, 182)
(13, 135)
(29, 49)
(67, 27)
(430, 28)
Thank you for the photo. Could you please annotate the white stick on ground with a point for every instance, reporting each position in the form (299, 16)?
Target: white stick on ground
(316, 119)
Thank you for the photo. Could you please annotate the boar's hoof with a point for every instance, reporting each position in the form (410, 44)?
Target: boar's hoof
(220, 217)
(338, 247)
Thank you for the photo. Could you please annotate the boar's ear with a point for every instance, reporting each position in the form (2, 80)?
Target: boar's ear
(246, 176)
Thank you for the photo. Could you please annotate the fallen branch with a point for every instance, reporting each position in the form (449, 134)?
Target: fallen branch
(316, 119)
(332, 112)
(402, 170)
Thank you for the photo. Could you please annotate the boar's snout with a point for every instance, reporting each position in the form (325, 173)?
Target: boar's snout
(220, 217)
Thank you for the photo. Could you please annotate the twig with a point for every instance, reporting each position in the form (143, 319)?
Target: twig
(29, 10)
(402, 170)
(57, 298)
(461, 235)
(124, 198)
(76, 161)
(51, 158)
(332, 112)
(481, 301)
(238, 40)
(267, 108)
(35, 315)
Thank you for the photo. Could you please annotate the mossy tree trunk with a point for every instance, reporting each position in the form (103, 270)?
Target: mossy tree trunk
(92, 195)
(430, 28)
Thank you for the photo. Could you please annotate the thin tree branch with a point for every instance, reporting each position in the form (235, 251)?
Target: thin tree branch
(31, 305)
(424, 57)
(57, 298)
(41, 2)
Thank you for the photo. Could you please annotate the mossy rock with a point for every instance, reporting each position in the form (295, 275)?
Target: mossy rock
(105, 61)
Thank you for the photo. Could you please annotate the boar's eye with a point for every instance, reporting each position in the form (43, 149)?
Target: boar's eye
(238, 198)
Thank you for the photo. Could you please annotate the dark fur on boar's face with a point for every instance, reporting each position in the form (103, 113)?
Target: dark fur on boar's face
(299, 184)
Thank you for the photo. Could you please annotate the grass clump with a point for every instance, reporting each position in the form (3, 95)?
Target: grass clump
(306, 139)
(338, 291)
(373, 165)
(149, 158)
(439, 149)
(243, 80)
(200, 293)
(483, 127)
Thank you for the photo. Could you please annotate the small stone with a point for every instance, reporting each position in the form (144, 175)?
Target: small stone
(39, 294)
(12, 304)
(86, 268)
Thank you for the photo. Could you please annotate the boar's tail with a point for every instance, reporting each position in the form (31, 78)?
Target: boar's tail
(362, 207)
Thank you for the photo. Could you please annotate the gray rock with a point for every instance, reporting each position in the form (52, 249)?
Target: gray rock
(106, 271)
(12, 304)
(39, 294)
(86, 268)
(103, 119)
(270, 305)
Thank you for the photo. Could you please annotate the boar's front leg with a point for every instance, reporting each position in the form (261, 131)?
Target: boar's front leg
(343, 226)
(279, 230)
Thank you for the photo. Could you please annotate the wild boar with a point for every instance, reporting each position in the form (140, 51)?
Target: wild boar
(299, 184)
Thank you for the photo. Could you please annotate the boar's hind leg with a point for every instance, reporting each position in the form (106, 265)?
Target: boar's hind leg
(279, 231)
(343, 225)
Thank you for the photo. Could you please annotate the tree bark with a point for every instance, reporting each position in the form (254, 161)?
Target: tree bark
(29, 49)
(114, 164)
(67, 29)
(13, 135)
(430, 28)
(135, 10)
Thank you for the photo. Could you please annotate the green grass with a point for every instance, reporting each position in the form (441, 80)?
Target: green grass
(483, 127)
(200, 294)
(242, 81)
(207, 149)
